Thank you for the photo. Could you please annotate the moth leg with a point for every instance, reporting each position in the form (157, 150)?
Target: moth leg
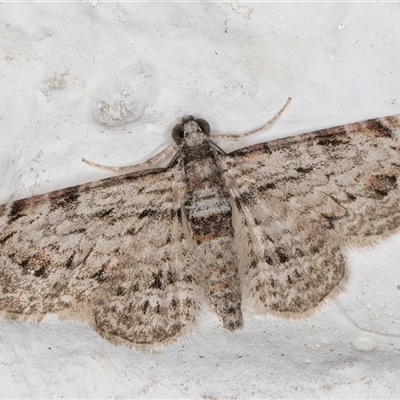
(243, 135)
(150, 161)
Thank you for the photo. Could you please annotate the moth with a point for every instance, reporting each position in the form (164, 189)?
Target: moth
(142, 256)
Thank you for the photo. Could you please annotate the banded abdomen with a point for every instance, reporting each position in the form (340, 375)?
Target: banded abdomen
(210, 219)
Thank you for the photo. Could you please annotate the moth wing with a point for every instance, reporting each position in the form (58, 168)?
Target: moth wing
(302, 199)
(107, 252)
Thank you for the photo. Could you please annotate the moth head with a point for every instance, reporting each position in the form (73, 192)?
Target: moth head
(189, 126)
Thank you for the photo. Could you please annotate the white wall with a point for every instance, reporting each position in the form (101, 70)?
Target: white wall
(234, 64)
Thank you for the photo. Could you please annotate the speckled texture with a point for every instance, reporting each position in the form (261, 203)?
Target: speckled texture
(140, 255)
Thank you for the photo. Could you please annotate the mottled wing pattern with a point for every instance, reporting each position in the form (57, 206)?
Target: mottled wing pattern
(108, 251)
(303, 199)
(137, 255)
